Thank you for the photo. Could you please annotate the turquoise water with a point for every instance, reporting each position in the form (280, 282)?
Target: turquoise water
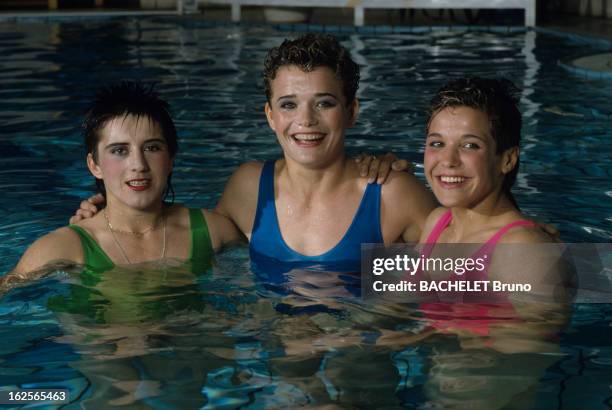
(230, 339)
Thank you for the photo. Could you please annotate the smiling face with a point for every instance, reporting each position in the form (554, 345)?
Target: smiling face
(460, 161)
(309, 114)
(132, 159)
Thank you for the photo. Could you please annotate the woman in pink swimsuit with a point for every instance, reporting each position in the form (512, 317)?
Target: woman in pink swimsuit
(471, 163)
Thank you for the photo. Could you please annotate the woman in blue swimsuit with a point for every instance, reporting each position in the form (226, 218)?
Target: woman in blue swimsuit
(311, 206)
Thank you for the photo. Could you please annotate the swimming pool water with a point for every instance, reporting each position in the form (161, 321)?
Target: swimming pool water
(235, 340)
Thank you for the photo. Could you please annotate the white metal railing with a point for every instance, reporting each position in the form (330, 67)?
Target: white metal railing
(186, 6)
(528, 6)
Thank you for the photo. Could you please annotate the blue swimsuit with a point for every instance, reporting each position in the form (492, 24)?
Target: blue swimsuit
(268, 247)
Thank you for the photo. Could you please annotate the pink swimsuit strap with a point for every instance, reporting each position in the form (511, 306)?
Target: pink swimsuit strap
(488, 246)
(475, 318)
(440, 226)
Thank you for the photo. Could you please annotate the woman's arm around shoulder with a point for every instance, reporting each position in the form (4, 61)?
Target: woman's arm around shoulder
(223, 232)
(239, 199)
(405, 205)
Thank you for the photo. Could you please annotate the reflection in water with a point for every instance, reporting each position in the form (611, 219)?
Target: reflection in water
(160, 336)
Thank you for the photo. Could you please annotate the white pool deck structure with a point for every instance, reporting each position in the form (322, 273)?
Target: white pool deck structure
(359, 6)
(334, 11)
(329, 12)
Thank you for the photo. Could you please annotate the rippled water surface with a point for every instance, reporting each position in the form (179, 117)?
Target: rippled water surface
(228, 339)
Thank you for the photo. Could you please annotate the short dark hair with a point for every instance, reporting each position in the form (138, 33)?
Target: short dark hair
(311, 51)
(123, 99)
(498, 98)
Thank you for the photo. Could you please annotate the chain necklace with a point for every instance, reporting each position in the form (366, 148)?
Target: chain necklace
(142, 233)
(138, 234)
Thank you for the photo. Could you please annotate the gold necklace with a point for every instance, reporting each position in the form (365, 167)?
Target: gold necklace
(141, 233)
(112, 231)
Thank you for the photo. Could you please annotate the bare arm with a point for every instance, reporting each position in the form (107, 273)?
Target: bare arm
(223, 232)
(61, 244)
(57, 249)
(239, 199)
(405, 206)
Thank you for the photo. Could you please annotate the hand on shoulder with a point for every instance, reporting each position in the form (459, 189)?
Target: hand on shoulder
(378, 168)
(88, 208)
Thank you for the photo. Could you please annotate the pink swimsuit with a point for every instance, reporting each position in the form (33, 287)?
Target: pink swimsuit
(475, 317)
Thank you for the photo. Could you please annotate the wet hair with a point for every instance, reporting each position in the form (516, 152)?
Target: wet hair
(498, 98)
(123, 99)
(309, 52)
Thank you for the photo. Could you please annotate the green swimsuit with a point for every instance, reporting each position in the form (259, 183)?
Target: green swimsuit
(200, 254)
(126, 298)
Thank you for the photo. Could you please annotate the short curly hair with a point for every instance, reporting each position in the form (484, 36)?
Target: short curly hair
(309, 52)
(499, 99)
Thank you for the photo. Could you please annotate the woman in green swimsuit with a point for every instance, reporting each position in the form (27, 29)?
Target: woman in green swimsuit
(116, 301)
(131, 144)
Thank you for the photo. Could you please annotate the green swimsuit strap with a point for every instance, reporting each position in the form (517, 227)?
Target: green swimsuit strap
(95, 258)
(201, 253)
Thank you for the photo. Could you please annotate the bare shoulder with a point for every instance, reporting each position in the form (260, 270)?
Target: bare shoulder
(406, 190)
(406, 203)
(58, 240)
(244, 182)
(525, 234)
(528, 255)
(402, 184)
(61, 244)
(247, 172)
